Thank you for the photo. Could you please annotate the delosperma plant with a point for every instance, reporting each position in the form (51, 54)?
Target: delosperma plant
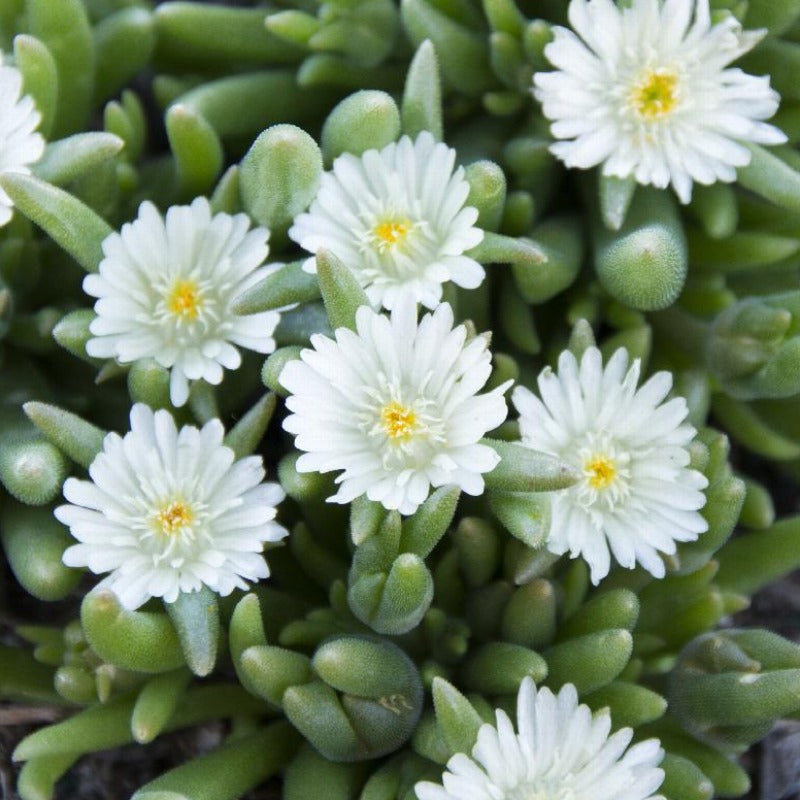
(395, 385)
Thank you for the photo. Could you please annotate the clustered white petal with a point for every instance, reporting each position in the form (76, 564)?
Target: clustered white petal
(561, 752)
(165, 289)
(647, 92)
(169, 511)
(394, 405)
(20, 143)
(397, 218)
(638, 495)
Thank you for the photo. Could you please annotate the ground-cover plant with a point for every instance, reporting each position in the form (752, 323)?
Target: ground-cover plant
(368, 379)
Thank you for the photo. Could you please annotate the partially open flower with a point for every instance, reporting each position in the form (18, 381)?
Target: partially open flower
(647, 92)
(638, 496)
(20, 144)
(561, 752)
(394, 405)
(397, 218)
(169, 511)
(166, 287)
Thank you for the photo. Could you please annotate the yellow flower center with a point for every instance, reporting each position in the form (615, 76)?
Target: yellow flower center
(655, 95)
(173, 517)
(184, 300)
(600, 472)
(392, 232)
(398, 421)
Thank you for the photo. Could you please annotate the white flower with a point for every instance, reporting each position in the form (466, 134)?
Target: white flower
(20, 144)
(166, 287)
(395, 406)
(646, 91)
(637, 495)
(397, 219)
(562, 752)
(168, 511)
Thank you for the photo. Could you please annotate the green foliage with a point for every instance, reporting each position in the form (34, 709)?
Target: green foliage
(380, 643)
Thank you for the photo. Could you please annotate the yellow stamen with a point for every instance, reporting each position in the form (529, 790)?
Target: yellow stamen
(173, 517)
(392, 232)
(184, 300)
(398, 421)
(655, 96)
(601, 472)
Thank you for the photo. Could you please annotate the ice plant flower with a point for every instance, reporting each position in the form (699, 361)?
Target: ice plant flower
(394, 405)
(647, 92)
(562, 751)
(20, 143)
(165, 289)
(638, 495)
(397, 218)
(168, 511)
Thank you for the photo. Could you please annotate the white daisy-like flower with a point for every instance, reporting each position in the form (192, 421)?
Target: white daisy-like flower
(646, 91)
(169, 511)
(397, 218)
(20, 143)
(394, 405)
(638, 495)
(562, 752)
(165, 289)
